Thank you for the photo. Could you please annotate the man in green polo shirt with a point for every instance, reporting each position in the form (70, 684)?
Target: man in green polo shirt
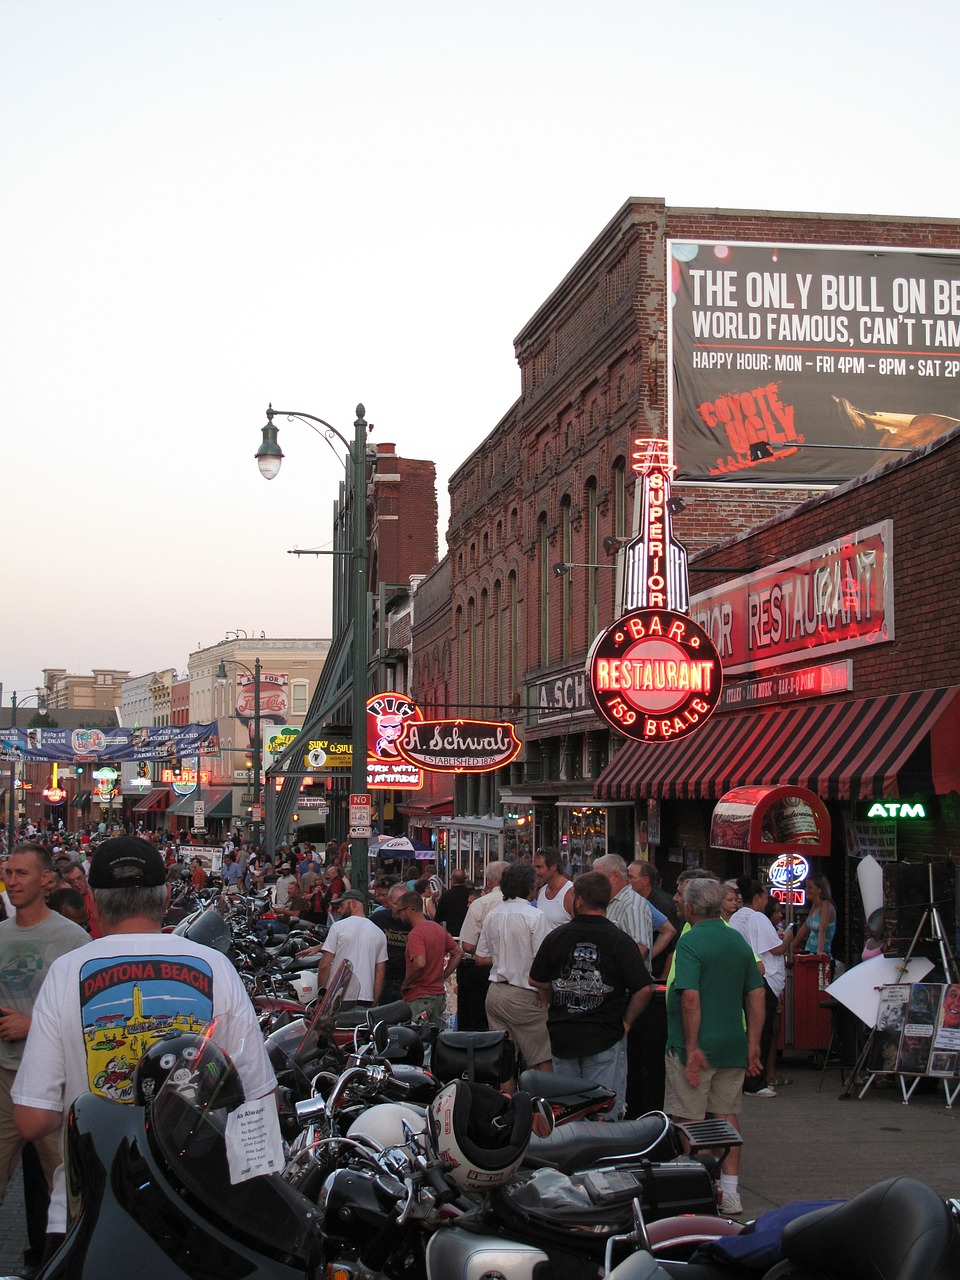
(708, 1052)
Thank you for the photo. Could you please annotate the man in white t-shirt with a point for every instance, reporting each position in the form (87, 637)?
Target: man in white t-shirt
(102, 1006)
(752, 922)
(29, 944)
(355, 938)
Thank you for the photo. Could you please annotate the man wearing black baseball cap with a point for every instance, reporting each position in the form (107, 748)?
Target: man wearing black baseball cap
(101, 1007)
(355, 938)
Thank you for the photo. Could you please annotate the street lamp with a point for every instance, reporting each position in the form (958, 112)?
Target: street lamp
(269, 457)
(255, 754)
(41, 701)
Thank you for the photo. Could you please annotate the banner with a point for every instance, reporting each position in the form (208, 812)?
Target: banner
(794, 344)
(100, 746)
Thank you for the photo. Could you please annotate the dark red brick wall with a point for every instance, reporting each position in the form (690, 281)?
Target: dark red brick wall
(403, 517)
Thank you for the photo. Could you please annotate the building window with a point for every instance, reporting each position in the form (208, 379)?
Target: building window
(496, 669)
(471, 652)
(593, 574)
(483, 653)
(298, 697)
(544, 576)
(513, 640)
(566, 555)
(619, 498)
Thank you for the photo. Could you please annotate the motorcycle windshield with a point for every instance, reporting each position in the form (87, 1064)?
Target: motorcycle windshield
(209, 929)
(186, 1126)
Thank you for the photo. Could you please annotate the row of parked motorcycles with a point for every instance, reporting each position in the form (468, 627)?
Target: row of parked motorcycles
(403, 1159)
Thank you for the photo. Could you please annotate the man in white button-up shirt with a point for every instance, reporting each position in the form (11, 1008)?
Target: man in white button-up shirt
(509, 939)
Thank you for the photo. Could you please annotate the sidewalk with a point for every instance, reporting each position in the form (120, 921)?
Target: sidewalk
(803, 1145)
(13, 1227)
(800, 1145)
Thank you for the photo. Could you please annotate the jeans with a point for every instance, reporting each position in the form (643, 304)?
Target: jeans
(607, 1068)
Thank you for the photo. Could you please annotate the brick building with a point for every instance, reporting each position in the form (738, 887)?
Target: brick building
(891, 729)
(534, 505)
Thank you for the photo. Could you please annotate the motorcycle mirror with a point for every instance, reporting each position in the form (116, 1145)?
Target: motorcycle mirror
(381, 1036)
(542, 1121)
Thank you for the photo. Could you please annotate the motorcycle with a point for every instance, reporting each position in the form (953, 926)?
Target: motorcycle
(896, 1230)
(157, 1182)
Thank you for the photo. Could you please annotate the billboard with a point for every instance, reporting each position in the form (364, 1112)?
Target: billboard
(794, 345)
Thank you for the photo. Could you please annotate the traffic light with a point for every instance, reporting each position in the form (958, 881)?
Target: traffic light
(176, 769)
(79, 770)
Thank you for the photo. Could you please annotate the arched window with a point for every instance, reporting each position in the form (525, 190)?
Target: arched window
(498, 655)
(566, 555)
(620, 498)
(544, 584)
(593, 574)
(483, 653)
(513, 637)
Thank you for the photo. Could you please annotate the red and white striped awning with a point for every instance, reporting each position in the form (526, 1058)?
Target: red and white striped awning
(901, 744)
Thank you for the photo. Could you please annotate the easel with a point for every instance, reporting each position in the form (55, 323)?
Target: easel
(948, 962)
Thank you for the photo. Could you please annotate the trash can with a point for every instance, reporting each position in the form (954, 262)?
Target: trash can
(811, 1025)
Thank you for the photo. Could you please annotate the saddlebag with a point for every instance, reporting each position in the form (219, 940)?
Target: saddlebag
(482, 1057)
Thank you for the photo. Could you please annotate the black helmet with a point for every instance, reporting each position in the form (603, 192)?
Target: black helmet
(192, 1065)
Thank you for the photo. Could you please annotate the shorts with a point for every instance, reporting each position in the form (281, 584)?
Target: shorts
(719, 1091)
(517, 1011)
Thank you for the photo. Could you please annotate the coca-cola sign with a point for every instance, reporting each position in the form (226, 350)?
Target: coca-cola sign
(459, 746)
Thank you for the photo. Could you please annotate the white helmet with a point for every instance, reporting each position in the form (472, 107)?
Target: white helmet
(384, 1123)
(479, 1134)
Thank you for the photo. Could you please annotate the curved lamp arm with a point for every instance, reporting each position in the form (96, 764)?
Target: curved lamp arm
(269, 456)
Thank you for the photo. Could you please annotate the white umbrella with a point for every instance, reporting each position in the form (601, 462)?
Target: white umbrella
(392, 844)
(858, 988)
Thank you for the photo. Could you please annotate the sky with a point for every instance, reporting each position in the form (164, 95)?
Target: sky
(209, 205)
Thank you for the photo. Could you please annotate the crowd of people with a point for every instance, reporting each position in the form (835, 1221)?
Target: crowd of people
(568, 968)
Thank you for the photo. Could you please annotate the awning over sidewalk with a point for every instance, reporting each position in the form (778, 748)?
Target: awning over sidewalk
(156, 800)
(217, 803)
(901, 744)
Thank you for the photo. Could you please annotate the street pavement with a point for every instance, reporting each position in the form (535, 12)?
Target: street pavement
(801, 1145)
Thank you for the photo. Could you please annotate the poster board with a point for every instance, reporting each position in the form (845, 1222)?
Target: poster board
(917, 1035)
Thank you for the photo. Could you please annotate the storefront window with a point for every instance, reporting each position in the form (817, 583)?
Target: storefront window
(589, 831)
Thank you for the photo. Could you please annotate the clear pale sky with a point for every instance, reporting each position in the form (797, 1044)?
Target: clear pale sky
(208, 206)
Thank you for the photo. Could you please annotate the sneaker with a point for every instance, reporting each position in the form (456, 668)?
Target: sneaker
(765, 1092)
(731, 1205)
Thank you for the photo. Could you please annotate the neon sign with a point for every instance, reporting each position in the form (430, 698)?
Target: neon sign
(654, 675)
(459, 746)
(789, 870)
(387, 717)
(895, 809)
(655, 564)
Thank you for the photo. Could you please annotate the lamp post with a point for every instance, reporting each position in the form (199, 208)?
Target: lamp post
(41, 702)
(255, 754)
(269, 457)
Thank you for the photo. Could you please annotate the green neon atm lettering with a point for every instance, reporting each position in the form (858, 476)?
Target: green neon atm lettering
(895, 809)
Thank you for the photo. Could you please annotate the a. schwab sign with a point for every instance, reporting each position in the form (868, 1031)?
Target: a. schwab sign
(794, 344)
(833, 597)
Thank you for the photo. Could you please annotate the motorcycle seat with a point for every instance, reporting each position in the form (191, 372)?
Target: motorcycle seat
(586, 1143)
(394, 1014)
(897, 1230)
(310, 962)
(553, 1084)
